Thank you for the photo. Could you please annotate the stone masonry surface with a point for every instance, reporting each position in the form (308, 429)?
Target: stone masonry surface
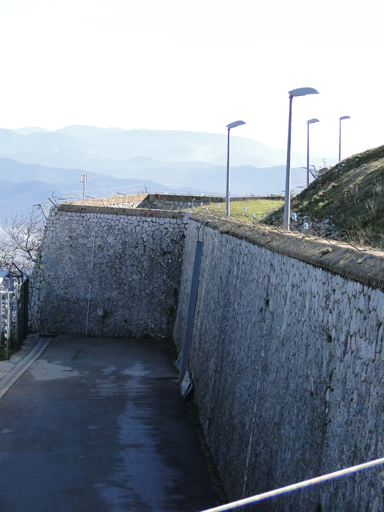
(287, 360)
(123, 201)
(125, 262)
(176, 202)
(287, 353)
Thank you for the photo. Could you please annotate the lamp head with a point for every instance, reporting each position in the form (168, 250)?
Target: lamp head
(313, 121)
(303, 91)
(344, 117)
(233, 125)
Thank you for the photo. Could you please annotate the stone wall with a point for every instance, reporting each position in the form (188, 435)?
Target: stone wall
(177, 202)
(287, 354)
(120, 201)
(287, 360)
(127, 262)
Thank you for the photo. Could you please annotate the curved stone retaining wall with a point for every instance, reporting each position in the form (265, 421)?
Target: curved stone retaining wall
(287, 354)
(287, 360)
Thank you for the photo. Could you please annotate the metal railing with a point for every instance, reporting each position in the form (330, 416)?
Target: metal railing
(13, 312)
(294, 487)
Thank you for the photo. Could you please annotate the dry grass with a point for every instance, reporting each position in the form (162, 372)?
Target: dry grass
(249, 212)
(351, 194)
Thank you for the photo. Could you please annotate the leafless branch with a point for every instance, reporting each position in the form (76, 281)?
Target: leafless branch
(20, 240)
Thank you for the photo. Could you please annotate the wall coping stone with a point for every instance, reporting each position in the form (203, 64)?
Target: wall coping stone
(214, 199)
(365, 266)
(105, 201)
(128, 212)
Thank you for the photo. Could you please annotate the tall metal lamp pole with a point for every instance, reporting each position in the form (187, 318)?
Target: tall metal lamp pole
(341, 118)
(229, 126)
(303, 91)
(311, 121)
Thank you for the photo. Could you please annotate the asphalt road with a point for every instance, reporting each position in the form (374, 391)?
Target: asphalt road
(98, 425)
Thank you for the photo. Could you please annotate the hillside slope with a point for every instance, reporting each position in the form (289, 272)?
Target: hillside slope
(348, 199)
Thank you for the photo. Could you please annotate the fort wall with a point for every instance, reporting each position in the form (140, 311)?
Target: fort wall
(287, 355)
(121, 263)
(287, 361)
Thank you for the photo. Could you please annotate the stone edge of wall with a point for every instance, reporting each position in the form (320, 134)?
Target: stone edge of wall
(365, 266)
(212, 198)
(128, 212)
(105, 201)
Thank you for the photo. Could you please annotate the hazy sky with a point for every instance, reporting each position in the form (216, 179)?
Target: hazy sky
(173, 64)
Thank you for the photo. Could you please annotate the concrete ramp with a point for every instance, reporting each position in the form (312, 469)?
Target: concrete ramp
(98, 425)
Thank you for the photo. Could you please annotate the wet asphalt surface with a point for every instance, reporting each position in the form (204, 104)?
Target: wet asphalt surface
(99, 425)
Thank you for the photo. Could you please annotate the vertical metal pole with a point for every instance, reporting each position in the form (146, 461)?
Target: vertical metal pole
(227, 189)
(83, 180)
(1, 317)
(9, 319)
(191, 310)
(307, 154)
(287, 205)
(339, 140)
(90, 282)
(16, 297)
(10, 310)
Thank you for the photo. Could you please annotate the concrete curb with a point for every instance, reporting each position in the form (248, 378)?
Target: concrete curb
(22, 366)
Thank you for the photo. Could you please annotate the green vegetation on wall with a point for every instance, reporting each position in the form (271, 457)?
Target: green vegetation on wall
(249, 212)
(350, 195)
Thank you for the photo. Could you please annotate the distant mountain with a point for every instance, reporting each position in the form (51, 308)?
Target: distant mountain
(245, 179)
(176, 146)
(31, 184)
(27, 131)
(34, 184)
(34, 163)
(106, 149)
(20, 197)
(83, 131)
(9, 140)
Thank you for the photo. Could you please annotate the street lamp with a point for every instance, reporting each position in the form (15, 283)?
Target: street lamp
(229, 126)
(311, 121)
(341, 118)
(303, 91)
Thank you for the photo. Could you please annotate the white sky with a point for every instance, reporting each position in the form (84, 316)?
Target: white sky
(173, 64)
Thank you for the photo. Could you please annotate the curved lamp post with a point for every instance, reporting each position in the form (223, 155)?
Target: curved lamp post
(229, 126)
(311, 121)
(303, 91)
(341, 118)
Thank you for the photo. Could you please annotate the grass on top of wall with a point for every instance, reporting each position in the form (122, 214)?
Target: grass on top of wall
(349, 196)
(242, 210)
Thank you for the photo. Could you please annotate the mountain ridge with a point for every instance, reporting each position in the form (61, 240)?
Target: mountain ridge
(82, 145)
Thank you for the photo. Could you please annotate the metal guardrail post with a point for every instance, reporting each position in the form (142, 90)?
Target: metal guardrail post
(1, 317)
(9, 326)
(191, 310)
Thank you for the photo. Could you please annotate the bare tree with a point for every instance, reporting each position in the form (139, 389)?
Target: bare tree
(20, 240)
